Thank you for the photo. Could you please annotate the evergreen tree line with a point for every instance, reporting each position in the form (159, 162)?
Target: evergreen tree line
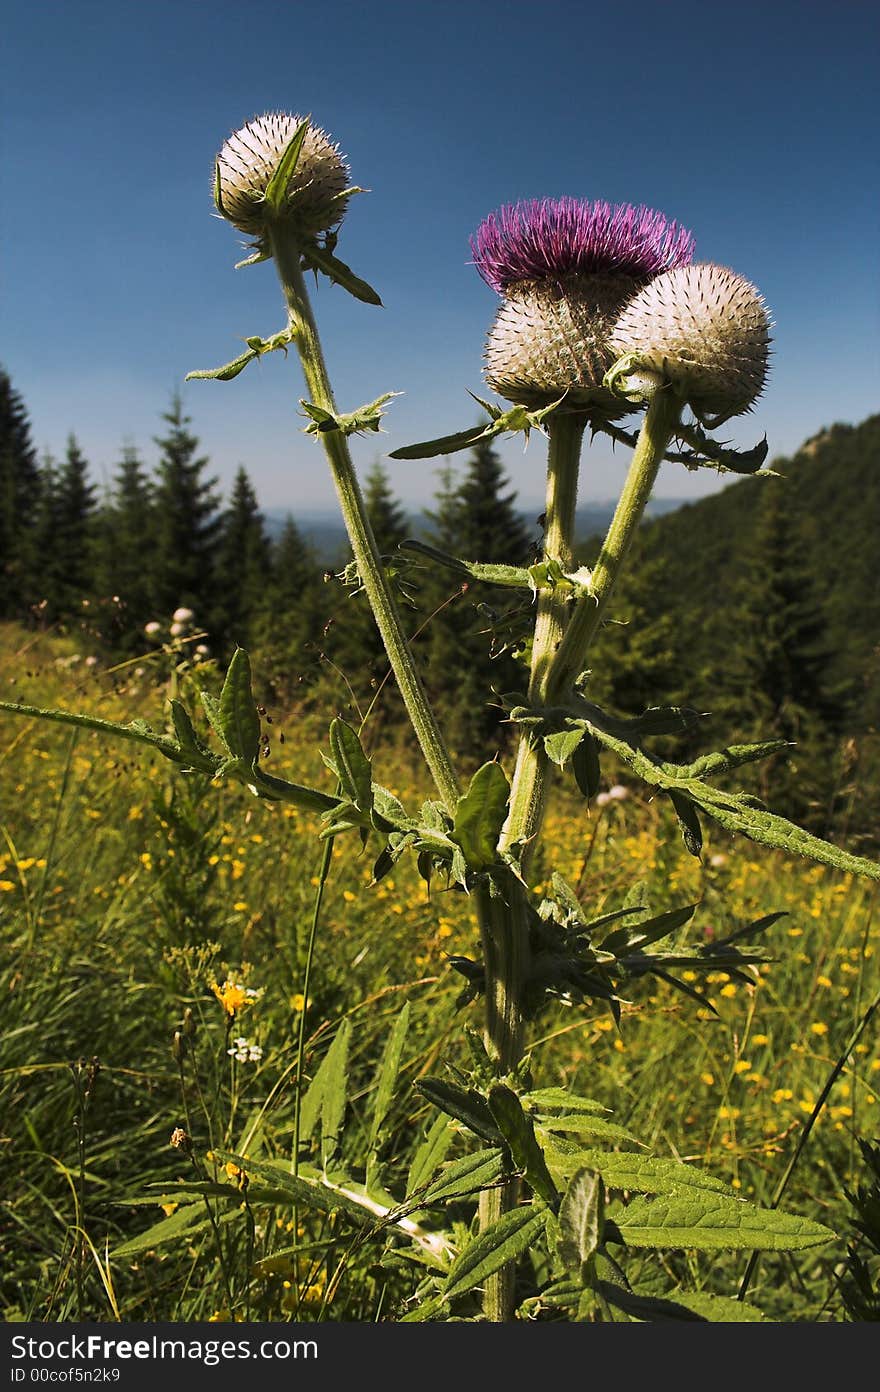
(746, 606)
(109, 563)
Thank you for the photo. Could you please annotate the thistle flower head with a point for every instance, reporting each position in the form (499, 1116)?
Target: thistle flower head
(551, 340)
(704, 329)
(566, 267)
(552, 238)
(315, 200)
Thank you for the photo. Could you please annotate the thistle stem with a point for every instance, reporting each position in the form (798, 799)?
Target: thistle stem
(360, 533)
(503, 912)
(530, 779)
(658, 427)
(502, 904)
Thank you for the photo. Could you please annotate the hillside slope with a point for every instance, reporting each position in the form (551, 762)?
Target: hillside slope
(830, 491)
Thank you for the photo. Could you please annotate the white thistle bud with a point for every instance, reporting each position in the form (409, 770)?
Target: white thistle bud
(251, 156)
(551, 338)
(704, 329)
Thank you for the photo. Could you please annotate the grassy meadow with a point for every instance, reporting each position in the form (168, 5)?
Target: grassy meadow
(136, 903)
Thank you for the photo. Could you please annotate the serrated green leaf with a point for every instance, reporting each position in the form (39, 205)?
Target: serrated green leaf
(748, 930)
(480, 815)
(276, 789)
(722, 1309)
(585, 766)
(465, 1105)
(276, 189)
(185, 730)
(650, 1174)
(138, 731)
(466, 1176)
(430, 1154)
(505, 1240)
(565, 897)
(310, 1107)
(713, 1223)
(333, 1098)
(425, 1310)
(650, 930)
(322, 418)
(352, 766)
(225, 373)
(311, 1191)
(212, 711)
(585, 1124)
(382, 865)
(561, 745)
(736, 811)
(645, 1307)
(319, 258)
(518, 1130)
(581, 1219)
(236, 711)
(255, 258)
(770, 830)
(689, 822)
(444, 444)
(562, 1098)
(386, 1074)
(185, 1222)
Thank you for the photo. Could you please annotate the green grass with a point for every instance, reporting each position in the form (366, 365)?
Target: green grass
(128, 892)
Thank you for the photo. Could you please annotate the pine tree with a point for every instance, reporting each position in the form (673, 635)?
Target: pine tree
(19, 479)
(242, 567)
(288, 615)
(487, 525)
(124, 536)
(773, 685)
(634, 661)
(69, 558)
(387, 518)
(186, 522)
(475, 628)
(40, 594)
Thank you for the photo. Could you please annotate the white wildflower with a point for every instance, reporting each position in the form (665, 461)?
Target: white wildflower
(245, 1051)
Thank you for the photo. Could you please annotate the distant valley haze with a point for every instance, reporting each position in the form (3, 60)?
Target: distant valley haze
(323, 529)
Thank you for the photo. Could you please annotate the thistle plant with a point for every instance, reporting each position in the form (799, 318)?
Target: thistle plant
(602, 317)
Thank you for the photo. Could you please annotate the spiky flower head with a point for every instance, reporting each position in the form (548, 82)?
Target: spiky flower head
(550, 340)
(566, 267)
(316, 194)
(704, 329)
(552, 238)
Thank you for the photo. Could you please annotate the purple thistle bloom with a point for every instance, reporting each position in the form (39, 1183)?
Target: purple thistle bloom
(549, 238)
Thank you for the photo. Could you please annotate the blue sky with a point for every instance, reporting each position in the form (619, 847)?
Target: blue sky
(755, 125)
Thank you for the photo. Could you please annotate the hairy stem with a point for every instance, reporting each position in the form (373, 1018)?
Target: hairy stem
(503, 904)
(658, 427)
(360, 533)
(504, 919)
(531, 774)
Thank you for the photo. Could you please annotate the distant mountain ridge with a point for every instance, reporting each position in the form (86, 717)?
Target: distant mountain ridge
(326, 534)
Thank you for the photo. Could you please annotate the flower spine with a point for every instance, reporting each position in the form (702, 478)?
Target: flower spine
(705, 330)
